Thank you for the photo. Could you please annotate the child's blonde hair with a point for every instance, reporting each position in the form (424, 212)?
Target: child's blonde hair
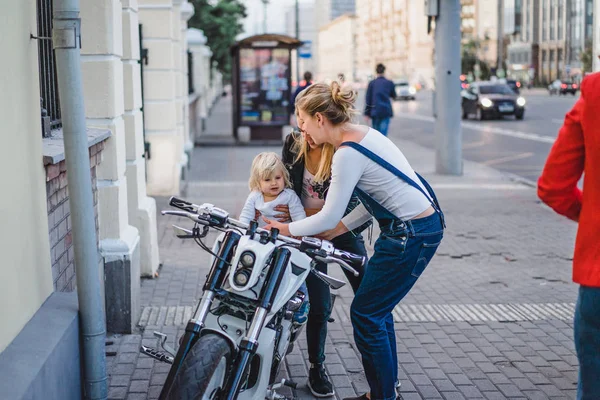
(264, 166)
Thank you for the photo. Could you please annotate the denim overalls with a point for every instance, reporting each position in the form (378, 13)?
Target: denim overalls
(402, 251)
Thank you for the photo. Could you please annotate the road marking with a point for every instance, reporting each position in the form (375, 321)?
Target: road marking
(473, 145)
(480, 186)
(506, 159)
(488, 129)
(216, 184)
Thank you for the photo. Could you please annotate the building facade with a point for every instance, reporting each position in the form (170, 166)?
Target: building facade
(39, 269)
(523, 51)
(323, 12)
(480, 21)
(337, 52)
(393, 32)
(308, 33)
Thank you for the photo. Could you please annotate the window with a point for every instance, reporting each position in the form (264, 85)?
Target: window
(545, 23)
(190, 63)
(47, 69)
(551, 23)
(560, 21)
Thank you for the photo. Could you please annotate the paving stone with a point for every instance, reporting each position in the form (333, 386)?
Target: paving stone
(429, 392)
(452, 396)
(444, 385)
(117, 393)
(139, 386)
(510, 390)
(470, 391)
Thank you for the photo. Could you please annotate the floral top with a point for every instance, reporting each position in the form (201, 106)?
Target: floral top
(313, 193)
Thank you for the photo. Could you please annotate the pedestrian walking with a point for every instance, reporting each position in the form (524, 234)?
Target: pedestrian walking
(301, 86)
(378, 106)
(411, 222)
(575, 152)
(309, 167)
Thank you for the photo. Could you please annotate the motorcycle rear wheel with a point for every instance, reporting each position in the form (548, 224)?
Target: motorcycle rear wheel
(203, 371)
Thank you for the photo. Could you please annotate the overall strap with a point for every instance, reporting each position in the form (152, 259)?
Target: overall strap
(375, 158)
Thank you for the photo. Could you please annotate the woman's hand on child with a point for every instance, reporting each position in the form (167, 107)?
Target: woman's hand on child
(283, 228)
(284, 211)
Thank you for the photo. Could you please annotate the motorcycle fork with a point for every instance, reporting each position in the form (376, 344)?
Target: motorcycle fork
(249, 344)
(214, 281)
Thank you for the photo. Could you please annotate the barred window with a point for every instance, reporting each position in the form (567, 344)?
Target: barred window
(47, 69)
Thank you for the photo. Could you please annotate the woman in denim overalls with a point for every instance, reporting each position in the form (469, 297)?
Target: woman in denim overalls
(406, 244)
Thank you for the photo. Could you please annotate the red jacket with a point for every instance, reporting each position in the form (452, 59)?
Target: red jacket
(577, 149)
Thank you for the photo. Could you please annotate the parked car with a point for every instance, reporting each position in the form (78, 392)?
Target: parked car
(559, 87)
(491, 99)
(404, 90)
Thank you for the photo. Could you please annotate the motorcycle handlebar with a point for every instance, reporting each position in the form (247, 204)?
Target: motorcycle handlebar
(202, 215)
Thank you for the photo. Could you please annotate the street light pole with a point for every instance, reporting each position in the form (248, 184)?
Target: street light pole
(297, 9)
(448, 131)
(265, 3)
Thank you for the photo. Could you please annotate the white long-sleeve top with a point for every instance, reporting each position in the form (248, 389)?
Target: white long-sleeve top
(351, 169)
(256, 201)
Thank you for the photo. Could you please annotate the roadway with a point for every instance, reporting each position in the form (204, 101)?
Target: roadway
(516, 147)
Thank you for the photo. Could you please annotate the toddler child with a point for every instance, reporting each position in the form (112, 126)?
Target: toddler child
(270, 186)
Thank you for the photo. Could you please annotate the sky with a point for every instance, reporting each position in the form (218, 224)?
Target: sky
(253, 24)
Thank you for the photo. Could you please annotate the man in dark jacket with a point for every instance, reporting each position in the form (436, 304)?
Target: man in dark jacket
(378, 107)
(301, 86)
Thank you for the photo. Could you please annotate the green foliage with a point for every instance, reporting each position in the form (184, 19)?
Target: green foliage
(469, 59)
(587, 56)
(220, 21)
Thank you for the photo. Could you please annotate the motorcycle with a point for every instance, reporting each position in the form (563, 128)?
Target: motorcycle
(246, 321)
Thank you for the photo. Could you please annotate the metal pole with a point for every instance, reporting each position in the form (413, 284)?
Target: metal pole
(265, 2)
(297, 9)
(67, 43)
(500, 60)
(448, 131)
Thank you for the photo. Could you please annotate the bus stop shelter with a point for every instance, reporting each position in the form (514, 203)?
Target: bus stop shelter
(261, 87)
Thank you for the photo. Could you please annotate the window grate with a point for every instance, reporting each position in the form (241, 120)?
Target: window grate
(51, 116)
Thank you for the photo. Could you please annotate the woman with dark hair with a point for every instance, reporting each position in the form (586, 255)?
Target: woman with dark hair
(409, 216)
(310, 172)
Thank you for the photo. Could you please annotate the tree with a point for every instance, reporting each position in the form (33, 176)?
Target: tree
(587, 56)
(221, 22)
(470, 51)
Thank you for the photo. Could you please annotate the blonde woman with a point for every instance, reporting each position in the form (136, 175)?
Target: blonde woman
(309, 166)
(409, 216)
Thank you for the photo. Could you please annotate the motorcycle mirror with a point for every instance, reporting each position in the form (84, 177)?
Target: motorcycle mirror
(329, 280)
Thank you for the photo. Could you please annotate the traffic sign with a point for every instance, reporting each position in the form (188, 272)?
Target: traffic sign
(305, 51)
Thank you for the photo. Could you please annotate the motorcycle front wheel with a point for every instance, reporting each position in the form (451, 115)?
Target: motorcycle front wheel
(203, 371)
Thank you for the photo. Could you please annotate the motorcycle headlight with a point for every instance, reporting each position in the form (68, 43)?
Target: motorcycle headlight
(521, 102)
(241, 277)
(247, 259)
(487, 103)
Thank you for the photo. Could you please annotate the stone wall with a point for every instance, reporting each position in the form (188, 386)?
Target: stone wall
(59, 219)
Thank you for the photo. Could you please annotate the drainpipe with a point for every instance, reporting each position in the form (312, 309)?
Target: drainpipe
(66, 38)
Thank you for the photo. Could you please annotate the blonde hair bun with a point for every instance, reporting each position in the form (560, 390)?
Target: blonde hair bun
(342, 96)
(334, 102)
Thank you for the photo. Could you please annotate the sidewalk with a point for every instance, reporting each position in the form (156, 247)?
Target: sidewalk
(489, 319)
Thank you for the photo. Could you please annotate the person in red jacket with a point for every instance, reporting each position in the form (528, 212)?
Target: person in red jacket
(577, 150)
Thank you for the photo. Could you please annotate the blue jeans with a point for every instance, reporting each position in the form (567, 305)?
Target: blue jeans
(320, 298)
(381, 125)
(587, 342)
(402, 252)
